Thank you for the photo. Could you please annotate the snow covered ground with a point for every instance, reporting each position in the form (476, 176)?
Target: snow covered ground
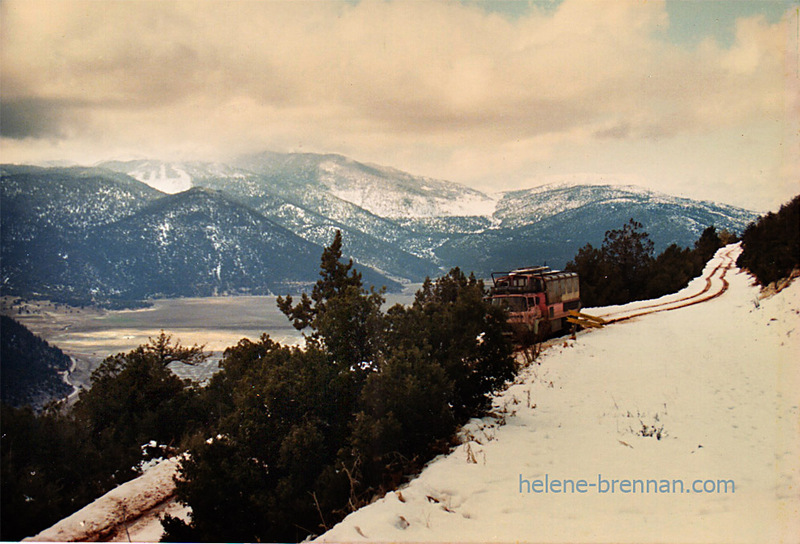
(677, 426)
(717, 381)
(167, 178)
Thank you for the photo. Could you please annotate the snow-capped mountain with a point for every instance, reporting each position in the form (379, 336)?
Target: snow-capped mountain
(170, 177)
(58, 221)
(91, 235)
(519, 208)
(393, 194)
(170, 181)
(431, 219)
(383, 191)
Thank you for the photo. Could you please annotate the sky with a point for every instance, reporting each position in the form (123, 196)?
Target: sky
(695, 98)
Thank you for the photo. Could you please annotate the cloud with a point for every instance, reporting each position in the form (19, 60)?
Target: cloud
(421, 83)
(35, 118)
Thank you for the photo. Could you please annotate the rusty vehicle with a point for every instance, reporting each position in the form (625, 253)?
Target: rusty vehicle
(538, 299)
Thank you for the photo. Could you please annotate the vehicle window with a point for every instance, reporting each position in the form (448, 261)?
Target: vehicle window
(514, 304)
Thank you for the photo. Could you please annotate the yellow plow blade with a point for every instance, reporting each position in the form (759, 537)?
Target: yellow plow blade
(585, 320)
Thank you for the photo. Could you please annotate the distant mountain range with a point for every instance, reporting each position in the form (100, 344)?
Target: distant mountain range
(124, 231)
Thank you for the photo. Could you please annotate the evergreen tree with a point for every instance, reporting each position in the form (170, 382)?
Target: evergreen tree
(134, 398)
(344, 317)
(617, 272)
(454, 326)
(253, 481)
(593, 273)
(58, 461)
(771, 246)
(629, 251)
(445, 355)
(405, 409)
(50, 468)
(706, 246)
(672, 270)
(284, 413)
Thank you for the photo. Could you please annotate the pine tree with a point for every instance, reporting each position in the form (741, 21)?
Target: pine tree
(343, 316)
(630, 252)
(705, 246)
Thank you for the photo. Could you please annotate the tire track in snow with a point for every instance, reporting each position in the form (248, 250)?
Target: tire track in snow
(704, 295)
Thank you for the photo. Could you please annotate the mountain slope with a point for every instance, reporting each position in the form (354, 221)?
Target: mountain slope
(92, 235)
(47, 214)
(412, 227)
(550, 223)
(199, 243)
(30, 369)
(285, 189)
(521, 208)
(477, 232)
(35, 199)
(382, 191)
(315, 215)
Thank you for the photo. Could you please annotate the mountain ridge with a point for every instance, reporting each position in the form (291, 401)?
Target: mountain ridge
(66, 230)
(309, 165)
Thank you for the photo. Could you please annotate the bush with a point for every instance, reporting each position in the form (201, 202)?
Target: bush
(771, 246)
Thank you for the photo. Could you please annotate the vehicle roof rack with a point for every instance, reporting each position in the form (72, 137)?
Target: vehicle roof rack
(530, 270)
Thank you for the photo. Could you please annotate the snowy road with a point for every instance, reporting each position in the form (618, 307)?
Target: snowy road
(714, 285)
(692, 414)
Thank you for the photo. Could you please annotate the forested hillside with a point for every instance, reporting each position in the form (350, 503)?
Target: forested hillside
(30, 368)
